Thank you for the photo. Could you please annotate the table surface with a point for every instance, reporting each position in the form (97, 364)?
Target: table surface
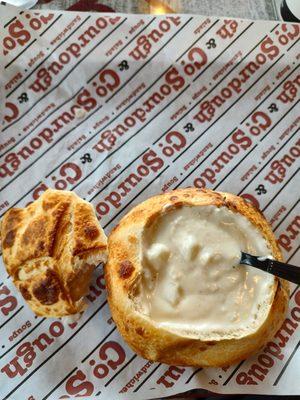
(252, 9)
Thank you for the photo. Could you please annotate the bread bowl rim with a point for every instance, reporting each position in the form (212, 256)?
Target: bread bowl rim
(134, 326)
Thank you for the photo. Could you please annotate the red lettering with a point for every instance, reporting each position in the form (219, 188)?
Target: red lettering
(17, 31)
(85, 100)
(13, 368)
(174, 79)
(85, 388)
(268, 48)
(8, 303)
(117, 350)
(72, 168)
(14, 112)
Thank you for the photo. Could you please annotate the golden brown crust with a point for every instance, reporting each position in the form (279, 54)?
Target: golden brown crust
(123, 268)
(47, 249)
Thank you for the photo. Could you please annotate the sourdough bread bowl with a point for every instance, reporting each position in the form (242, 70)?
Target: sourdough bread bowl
(50, 249)
(175, 287)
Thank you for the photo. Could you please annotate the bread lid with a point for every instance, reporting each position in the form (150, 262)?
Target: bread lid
(50, 249)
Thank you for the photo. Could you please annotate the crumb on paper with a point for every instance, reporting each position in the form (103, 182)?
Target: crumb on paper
(80, 113)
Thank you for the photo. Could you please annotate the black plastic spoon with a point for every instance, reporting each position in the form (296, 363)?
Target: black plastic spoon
(286, 271)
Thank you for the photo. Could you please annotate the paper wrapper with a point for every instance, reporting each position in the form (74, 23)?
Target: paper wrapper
(119, 108)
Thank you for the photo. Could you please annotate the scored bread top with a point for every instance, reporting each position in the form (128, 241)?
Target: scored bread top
(124, 270)
(50, 248)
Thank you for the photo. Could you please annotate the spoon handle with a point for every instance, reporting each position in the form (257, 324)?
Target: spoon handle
(286, 271)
